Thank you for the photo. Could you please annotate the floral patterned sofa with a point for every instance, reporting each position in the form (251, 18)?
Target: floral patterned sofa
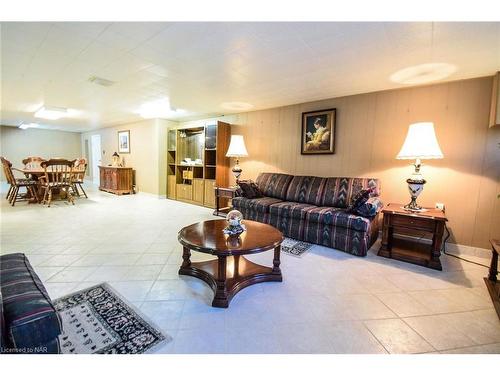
(314, 209)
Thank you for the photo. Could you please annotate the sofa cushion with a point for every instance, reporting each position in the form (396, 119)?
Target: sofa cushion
(306, 189)
(339, 191)
(30, 318)
(274, 185)
(370, 208)
(338, 217)
(290, 209)
(257, 204)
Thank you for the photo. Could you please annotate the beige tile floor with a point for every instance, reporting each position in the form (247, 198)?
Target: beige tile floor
(329, 302)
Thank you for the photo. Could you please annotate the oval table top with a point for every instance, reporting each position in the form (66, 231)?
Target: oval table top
(207, 237)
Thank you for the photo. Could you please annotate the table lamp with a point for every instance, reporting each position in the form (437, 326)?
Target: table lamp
(237, 150)
(420, 143)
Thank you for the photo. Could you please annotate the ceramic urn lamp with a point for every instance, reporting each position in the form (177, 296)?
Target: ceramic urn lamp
(237, 150)
(420, 143)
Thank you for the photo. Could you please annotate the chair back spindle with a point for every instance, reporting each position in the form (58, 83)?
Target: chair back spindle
(58, 174)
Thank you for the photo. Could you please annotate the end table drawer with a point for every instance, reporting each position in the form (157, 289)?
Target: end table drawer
(413, 222)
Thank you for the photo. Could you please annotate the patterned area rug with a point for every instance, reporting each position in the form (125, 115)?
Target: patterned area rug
(294, 247)
(99, 320)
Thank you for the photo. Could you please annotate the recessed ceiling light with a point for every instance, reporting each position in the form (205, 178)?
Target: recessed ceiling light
(159, 109)
(423, 73)
(51, 113)
(27, 126)
(236, 106)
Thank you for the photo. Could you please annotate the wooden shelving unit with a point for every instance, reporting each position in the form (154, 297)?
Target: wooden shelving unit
(195, 183)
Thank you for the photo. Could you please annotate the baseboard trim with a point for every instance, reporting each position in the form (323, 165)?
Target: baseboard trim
(454, 248)
(459, 249)
(152, 195)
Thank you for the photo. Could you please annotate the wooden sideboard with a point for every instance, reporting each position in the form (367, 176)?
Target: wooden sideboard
(116, 180)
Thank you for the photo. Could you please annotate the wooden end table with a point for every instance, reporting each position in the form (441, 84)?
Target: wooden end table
(231, 271)
(397, 220)
(223, 194)
(491, 281)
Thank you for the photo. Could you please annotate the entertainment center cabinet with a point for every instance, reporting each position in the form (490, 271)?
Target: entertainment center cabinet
(197, 162)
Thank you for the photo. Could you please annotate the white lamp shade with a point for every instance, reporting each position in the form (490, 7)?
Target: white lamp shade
(237, 147)
(420, 143)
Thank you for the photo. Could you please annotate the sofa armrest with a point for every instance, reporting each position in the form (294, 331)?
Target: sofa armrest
(31, 321)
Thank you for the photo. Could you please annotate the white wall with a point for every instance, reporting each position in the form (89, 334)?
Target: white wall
(147, 151)
(17, 144)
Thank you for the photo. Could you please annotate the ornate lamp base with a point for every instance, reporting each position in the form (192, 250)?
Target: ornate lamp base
(415, 187)
(237, 170)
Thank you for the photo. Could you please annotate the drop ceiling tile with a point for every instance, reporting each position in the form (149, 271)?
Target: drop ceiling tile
(87, 29)
(99, 54)
(200, 65)
(25, 35)
(137, 31)
(61, 42)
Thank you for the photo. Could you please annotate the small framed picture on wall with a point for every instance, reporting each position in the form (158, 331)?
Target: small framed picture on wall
(318, 132)
(124, 141)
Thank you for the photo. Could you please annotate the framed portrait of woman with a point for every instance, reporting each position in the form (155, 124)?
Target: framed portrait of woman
(318, 132)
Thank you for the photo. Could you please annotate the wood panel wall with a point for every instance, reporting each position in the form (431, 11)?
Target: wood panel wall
(370, 131)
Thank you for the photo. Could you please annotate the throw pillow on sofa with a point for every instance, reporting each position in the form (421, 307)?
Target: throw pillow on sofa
(249, 189)
(359, 199)
(370, 208)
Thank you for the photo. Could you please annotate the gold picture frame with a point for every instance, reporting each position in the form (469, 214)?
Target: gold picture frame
(318, 132)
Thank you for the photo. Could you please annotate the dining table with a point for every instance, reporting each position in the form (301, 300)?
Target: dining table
(35, 172)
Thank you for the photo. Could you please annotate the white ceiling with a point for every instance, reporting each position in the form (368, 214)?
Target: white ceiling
(200, 65)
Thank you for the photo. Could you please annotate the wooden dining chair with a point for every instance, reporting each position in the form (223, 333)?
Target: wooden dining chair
(13, 195)
(33, 162)
(58, 175)
(79, 170)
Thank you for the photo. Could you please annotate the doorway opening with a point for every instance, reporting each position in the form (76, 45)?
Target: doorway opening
(95, 143)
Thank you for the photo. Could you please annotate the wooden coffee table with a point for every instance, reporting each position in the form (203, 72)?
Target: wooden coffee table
(231, 271)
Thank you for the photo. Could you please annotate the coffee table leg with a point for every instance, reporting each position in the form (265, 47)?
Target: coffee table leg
(276, 261)
(186, 258)
(220, 298)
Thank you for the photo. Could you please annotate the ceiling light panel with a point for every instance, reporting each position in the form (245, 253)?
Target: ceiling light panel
(423, 73)
(159, 109)
(51, 113)
(27, 126)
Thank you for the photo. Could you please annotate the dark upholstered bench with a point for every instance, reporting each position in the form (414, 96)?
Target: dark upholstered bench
(28, 321)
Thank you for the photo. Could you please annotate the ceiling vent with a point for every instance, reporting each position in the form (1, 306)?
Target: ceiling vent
(101, 81)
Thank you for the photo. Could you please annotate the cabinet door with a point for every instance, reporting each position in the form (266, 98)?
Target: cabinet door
(113, 179)
(210, 193)
(107, 183)
(171, 187)
(211, 136)
(495, 102)
(101, 178)
(198, 191)
(184, 192)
